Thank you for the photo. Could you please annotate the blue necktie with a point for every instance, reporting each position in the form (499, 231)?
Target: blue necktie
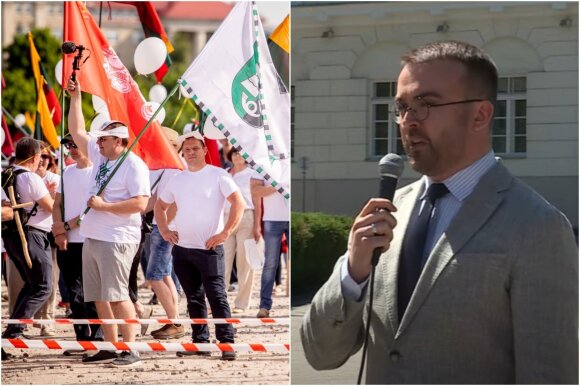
(413, 249)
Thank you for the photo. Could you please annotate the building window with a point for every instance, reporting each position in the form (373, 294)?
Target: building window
(509, 124)
(385, 134)
(292, 120)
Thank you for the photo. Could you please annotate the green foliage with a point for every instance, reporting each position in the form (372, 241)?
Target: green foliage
(318, 240)
(20, 93)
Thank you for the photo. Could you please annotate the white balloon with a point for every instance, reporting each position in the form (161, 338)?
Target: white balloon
(150, 54)
(210, 131)
(157, 93)
(99, 104)
(20, 120)
(149, 109)
(58, 72)
(99, 120)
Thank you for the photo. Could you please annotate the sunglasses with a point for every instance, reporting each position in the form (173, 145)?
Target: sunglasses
(45, 157)
(70, 145)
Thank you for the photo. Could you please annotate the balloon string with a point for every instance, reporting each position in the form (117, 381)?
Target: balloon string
(179, 113)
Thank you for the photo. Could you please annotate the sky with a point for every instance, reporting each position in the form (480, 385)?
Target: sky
(273, 11)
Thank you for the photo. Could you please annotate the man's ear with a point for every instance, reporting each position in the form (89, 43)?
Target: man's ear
(484, 116)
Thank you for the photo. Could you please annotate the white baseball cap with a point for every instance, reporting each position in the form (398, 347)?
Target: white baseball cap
(119, 131)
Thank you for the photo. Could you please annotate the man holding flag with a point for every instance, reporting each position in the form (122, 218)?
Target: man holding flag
(112, 228)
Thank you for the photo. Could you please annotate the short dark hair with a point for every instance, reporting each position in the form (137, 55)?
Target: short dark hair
(201, 141)
(26, 148)
(231, 153)
(112, 125)
(481, 69)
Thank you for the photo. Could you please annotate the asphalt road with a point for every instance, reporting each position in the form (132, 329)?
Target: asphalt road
(301, 371)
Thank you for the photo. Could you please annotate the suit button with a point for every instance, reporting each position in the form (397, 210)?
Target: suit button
(394, 356)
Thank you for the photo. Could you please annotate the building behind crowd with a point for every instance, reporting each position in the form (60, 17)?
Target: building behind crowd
(120, 22)
(345, 63)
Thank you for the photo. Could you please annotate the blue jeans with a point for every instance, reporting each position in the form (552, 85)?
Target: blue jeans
(273, 231)
(160, 260)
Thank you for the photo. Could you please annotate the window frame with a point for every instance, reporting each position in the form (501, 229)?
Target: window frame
(510, 97)
(392, 127)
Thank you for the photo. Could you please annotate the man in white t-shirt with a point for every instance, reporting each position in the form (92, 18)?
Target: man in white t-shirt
(38, 279)
(199, 193)
(276, 224)
(76, 181)
(112, 227)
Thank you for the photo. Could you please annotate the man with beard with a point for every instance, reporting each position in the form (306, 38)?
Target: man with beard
(478, 279)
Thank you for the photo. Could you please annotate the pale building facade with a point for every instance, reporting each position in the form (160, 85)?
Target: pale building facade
(345, 63)
(123, 29)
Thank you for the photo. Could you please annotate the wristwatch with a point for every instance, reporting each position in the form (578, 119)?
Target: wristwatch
(66, 226)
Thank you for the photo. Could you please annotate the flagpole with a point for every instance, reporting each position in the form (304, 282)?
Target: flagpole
(62, 154)
(126, 153)
(26, 133)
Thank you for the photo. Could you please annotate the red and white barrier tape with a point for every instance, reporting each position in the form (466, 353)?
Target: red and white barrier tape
(242, 321)
(142, 346)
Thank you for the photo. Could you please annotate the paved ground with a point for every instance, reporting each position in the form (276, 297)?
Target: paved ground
(50, 367)
(304, 374)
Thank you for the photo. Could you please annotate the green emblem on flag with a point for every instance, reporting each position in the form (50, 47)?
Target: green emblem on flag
(245, 92)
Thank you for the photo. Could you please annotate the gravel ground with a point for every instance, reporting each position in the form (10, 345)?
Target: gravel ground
(51, 367)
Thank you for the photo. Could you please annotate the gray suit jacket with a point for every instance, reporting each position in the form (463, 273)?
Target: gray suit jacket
(497, 301)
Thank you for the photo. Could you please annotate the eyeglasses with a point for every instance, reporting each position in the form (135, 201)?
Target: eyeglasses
(421, 109)
(102, 139)
(70, 145)
(45, 156)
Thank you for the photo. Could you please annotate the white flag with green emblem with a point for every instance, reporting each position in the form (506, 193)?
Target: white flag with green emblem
(234, 81)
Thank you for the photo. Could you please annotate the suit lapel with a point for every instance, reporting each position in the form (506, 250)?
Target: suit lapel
(476, 210)
(390, 260)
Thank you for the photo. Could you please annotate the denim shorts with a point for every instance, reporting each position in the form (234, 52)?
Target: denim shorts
(160, 260)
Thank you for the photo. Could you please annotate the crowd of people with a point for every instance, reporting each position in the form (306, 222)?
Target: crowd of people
(186, 229)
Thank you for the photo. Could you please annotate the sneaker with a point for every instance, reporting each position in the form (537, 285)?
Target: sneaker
(228, 356)
(172, 331)
(103, 356)
(263, 313)
(47, 331)
(163, 328)
(237, 310)
(126, 359)
(194, 353)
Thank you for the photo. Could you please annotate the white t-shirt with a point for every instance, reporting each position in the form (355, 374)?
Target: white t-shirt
(32, 188)
(242, 179)
(130, 180)
(200, 200)
(76, 188)
(165, 178)
(276, 207)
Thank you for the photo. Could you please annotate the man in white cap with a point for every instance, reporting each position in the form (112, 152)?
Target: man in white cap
(112, 228)
(199, 192)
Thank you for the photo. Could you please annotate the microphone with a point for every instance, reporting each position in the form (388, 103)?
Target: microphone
(390, 169)
(71, 47)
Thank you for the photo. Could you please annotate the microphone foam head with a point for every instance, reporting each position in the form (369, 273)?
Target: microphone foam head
(68, 47)
(391, 164)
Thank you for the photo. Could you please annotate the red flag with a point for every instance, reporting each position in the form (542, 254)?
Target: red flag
(104, 74)
(213, 155)
(8, 145)
(152, 27)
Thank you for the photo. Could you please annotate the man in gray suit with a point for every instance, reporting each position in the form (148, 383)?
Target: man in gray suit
(487, 292)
